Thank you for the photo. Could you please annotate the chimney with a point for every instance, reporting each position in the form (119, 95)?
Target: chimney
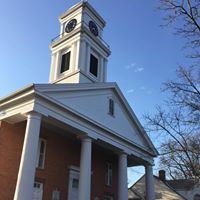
(162, 175)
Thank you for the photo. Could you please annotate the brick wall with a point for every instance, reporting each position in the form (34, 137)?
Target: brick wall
(99, 159)
(61, 152)
(11, 141)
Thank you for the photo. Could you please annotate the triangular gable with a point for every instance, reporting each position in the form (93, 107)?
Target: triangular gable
(92, 101)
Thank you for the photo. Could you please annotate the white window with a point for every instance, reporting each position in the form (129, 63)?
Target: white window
(108, 197)
(73, 183)
(37, 191)
(56, 195)
(108, 180)
(41, 153)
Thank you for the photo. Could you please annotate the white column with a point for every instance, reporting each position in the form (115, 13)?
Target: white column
(105, 70)
(150, 193)
(77, 55)
(26, 173)
(57, 65)
(52, 70)
(85, 169)
(122, 177)
(61, 30)
(87, 62)
(73, 57)
(82, 54)
(101, 69)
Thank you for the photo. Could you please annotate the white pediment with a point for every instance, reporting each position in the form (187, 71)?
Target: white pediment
(93, 103)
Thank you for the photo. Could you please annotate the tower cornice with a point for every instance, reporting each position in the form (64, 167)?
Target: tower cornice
(82, 30)
(83, 5)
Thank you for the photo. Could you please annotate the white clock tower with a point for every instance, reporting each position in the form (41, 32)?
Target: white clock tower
(79, 55)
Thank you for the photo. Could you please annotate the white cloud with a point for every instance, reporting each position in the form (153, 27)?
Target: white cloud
(138, 69)
(134, 67)
(130, 91)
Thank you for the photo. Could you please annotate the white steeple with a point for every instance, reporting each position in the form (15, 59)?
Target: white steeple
(79, 55)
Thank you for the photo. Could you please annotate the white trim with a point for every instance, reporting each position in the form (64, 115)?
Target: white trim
(39, 153)
(56, 194)
(109, 174)
(35, 190)
(63, 52)
(97, 56)
(74, 168)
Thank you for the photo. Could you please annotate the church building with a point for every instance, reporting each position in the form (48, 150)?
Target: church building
(74, 137)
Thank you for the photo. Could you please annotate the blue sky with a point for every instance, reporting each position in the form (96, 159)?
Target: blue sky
(144, 55)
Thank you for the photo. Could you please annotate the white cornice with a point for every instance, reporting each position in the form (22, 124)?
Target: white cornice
(17, 94)
(83, 5)
(81, 30)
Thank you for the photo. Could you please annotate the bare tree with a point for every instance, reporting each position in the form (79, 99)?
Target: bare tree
(181, 159)
(185, 94)
(178, 122)
(185, 15)
(179, 125)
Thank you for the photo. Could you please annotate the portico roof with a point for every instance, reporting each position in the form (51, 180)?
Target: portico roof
(43, 98)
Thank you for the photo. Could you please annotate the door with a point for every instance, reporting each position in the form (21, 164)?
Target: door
(73, 183)
(37, 191)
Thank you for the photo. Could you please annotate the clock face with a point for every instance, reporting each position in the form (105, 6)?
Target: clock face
(93, 28)
(71, 25)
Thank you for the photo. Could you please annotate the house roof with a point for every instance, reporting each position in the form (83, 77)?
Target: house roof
(132, 189)
(181, 184)
(134, 195)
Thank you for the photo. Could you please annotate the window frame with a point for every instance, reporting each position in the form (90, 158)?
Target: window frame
(97, 58)
(111, 107)
(37, 186)
(55, 194)
(109, 174)
(62, 54)
(39, 154)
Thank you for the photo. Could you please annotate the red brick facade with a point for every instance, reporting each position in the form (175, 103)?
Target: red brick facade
(11, 141)
(61, 152)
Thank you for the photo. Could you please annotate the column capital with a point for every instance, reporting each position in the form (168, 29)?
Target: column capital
(85, 138)
(149, 165)
(122, 153)
(34, 115)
